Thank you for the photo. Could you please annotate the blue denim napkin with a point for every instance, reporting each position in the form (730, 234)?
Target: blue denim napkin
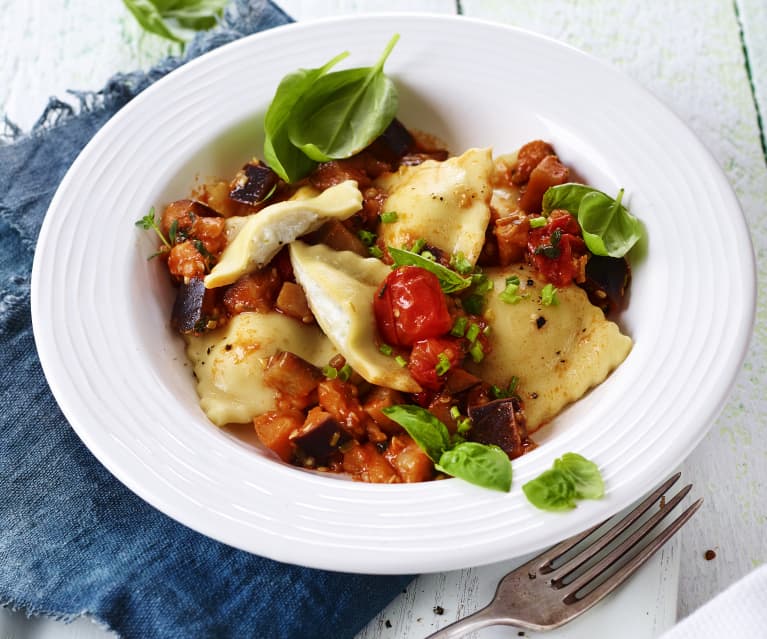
(74, 540)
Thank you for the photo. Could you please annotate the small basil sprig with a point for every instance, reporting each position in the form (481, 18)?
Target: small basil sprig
(176, 20)
(479, 464)
(449, 281)
(571, 477)
(344, 111)
(608, 228)
(286, 160)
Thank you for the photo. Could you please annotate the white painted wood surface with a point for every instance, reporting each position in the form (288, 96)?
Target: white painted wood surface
(708, 62)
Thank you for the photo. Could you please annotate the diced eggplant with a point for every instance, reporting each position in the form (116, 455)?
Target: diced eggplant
(194, 307)
(500, 423)
(549, 172)
(294, 377)
(607, 280)
(459, 380)
(319, 436)
(393, 144)
(338, 237)
(253, 183)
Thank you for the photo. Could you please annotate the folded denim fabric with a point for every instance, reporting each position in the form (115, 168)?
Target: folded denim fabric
(74, 540)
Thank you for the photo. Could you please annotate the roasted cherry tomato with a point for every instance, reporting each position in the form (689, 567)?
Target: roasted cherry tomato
(558, 250)
(410, 306)
(431, 358)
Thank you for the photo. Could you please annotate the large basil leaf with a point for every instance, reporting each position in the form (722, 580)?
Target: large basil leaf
(345, 111)
(486, 466)
(426, 430)
(286, 160)
(608, 228)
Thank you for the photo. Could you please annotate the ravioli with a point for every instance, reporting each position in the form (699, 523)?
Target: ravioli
(263, 234)
(229, 362)
(446, 203)
(557, 352)
(339, 286)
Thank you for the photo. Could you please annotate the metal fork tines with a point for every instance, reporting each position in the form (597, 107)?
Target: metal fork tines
(568, 579)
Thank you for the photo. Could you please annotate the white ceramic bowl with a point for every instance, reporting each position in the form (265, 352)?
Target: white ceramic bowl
(101, 310)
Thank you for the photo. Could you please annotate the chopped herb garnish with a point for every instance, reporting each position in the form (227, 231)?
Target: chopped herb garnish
(443, 364)
(464, 425)
(368, 238)
(537, 222)
(459, 262)
(459, 326)
(345, 373)
(418, 246)
(385, 349)
(510, 390)
(375, 251)
(551, 250)
(330, 372)
(389, 216)
(172, 231)
(148, 223)
(549, 295)
(510, 294)
(455, 412)
(401, 361)
(473, 333)
(428, 255)
(482, 284)
(477, 352)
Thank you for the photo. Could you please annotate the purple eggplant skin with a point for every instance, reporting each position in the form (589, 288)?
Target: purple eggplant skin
(499, 423)
(253, 183)
(393, 144)
(607, 280)
(194, 307)
(319, 436)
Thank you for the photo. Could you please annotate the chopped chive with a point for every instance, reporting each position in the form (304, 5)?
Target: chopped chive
(389, 216)
(401, 361)
(345, 373)
(375, 251)
(549, 295)
(477, 352)
(443, 364)
(537, 222)
(459, 326)
(464, 425)
(473, 332)
(455, 413)
(509, 294)
(418, 246)
(385, 349)
(429, 256)
(331, 372)
(368, 238)
(459, 262)
(482, 284)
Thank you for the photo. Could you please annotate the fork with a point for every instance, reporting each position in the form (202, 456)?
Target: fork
(541, 596)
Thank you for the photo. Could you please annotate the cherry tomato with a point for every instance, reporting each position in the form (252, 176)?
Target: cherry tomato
(410, 306)
(425, 359)
(557, 249)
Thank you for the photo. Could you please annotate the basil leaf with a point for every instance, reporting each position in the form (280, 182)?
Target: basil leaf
(287, 161)
(584, 475)
(551, 490)
(608, 228)
(565, 196)
(425, 429)
(449, 281)
(344, 111)
(486, 466)
(176, 20)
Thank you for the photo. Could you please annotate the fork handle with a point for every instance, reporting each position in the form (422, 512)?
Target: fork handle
(483, 618)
